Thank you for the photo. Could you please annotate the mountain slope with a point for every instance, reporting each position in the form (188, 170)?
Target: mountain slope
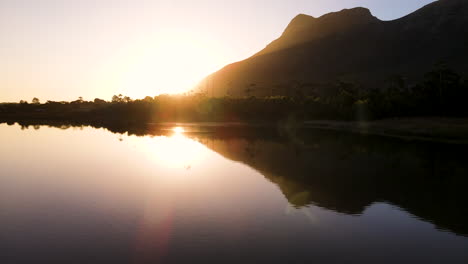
(350, 45)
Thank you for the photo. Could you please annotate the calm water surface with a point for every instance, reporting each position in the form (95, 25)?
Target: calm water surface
(228, 195)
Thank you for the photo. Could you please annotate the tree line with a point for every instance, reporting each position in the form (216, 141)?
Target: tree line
(442, 92)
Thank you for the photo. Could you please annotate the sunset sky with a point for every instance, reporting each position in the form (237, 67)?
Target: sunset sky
(62, 49)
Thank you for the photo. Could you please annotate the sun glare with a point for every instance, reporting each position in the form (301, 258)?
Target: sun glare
(174, 62)
(178, 130)
(175, 151)
(178, 152)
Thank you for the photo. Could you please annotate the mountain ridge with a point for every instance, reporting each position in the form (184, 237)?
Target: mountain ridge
(304, 28)
(350, 45)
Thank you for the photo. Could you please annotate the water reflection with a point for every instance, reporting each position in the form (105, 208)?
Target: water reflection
(173, 151)
(242, 194)
(341, 172)
(347, 173)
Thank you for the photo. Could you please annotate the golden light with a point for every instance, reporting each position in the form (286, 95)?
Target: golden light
(178, 152)
(173, 62)
(178, 130)
(173, 152)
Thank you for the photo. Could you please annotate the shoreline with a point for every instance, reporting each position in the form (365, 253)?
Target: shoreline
(432, 129)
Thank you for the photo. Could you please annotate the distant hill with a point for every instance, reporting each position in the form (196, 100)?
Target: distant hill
(351, 46)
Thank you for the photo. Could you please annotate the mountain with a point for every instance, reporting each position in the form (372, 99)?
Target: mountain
(352, 46)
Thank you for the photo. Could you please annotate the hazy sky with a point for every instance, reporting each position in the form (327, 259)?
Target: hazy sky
(62, 49)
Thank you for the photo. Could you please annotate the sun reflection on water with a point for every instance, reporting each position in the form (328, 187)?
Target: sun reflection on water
(176, 151)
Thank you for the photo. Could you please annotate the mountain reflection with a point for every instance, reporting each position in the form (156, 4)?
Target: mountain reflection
(342, 172)
(347, 173)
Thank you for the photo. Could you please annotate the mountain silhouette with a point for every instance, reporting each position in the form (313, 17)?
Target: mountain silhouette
(351, 46)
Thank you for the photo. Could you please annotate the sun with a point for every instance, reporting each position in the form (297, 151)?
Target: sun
(173, 62)
(178, 130)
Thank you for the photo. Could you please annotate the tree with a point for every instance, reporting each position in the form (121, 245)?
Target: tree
(148, 99)
(127, 99)
(117, 98)
(78, 101)
(441, 87)
(396, 82)
(36, 101)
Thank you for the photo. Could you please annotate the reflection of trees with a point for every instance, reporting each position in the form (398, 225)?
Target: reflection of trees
(341, 172)
(347, 173)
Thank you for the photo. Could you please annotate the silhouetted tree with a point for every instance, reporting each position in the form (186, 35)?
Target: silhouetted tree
(117, 98)
(441, 93)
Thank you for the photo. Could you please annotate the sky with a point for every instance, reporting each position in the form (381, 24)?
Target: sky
(63, 49)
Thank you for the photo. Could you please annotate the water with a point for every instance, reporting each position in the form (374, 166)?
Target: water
(228, 194)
